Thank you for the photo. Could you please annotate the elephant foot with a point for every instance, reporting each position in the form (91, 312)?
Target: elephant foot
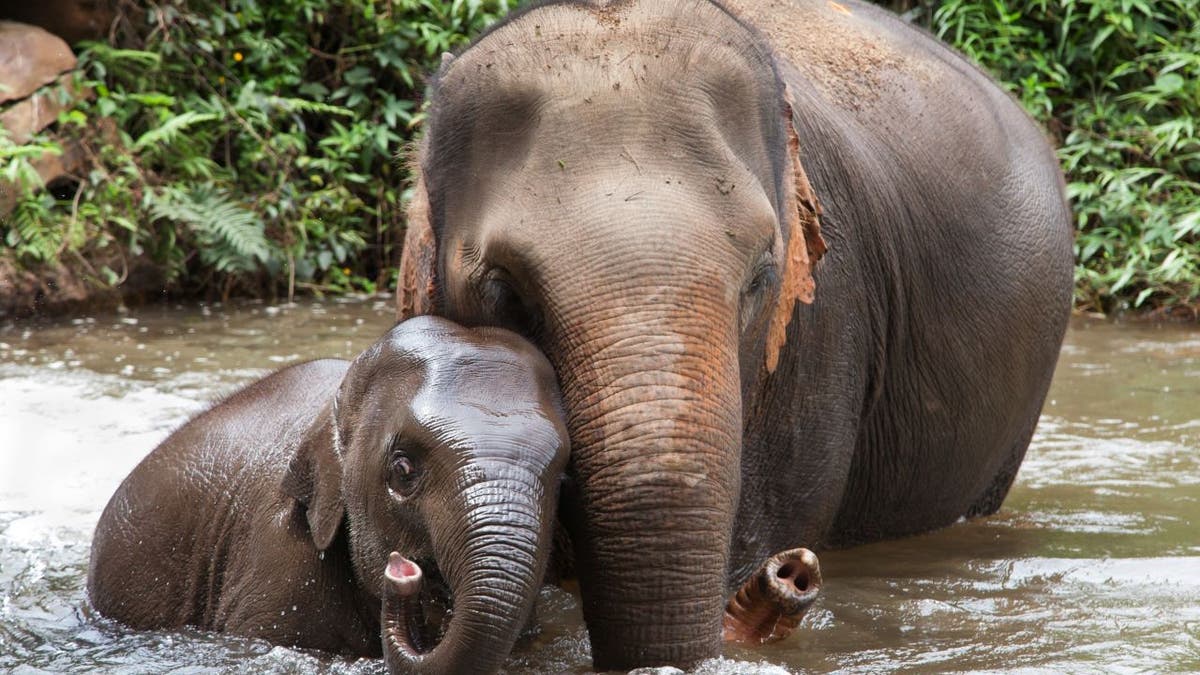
(771, 603)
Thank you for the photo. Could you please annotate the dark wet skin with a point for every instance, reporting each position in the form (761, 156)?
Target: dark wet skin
(274, 513)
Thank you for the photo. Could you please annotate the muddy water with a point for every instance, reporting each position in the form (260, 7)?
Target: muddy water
(1092, 564)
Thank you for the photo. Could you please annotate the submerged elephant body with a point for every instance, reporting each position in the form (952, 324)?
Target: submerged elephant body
(645, 187)
(273, 514)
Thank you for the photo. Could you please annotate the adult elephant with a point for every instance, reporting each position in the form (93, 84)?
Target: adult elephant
(644, 189)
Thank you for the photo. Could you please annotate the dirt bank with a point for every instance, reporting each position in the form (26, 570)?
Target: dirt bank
(57, 290)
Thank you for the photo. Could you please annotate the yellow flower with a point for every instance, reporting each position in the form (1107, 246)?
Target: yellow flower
(220, 79)
(346, 270)
(237, 56)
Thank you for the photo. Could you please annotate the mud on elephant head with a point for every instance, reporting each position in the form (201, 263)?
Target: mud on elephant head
(658, 270)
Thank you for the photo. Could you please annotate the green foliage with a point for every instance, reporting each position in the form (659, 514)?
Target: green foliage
(231, 237)
(250, 146)
(28, 231)
(1118, 83)
(243, 146)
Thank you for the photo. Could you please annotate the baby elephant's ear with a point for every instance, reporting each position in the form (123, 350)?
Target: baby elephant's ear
(314, 478)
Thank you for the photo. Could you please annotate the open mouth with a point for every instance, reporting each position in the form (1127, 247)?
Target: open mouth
(416, 609)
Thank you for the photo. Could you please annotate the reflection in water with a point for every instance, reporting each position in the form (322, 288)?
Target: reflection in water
(1093, 563)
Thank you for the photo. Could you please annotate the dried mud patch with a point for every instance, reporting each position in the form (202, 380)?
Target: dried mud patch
(850, 60)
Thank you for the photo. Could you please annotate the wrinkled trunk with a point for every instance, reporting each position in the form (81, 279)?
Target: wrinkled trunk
(494, 560)
(656, 441)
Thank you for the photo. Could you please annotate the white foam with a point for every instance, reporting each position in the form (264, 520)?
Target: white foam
(68, 438)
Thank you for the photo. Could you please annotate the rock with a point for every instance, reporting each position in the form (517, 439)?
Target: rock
(25, 118)
(58, 289)
(48, 166)
(24, 293)
(30, 57)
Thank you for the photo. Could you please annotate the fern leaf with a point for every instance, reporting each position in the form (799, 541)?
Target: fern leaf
(231, 238)
(168, 131)
(289, 104)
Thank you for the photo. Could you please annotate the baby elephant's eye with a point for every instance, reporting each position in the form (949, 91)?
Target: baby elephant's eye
(402, 476)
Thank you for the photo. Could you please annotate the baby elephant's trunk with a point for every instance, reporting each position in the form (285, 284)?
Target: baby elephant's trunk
(772, 602)
(494, 561)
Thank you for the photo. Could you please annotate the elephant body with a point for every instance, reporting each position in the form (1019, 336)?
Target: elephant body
(272, 514)
(802, 270)
(940, 305)
(201, 533)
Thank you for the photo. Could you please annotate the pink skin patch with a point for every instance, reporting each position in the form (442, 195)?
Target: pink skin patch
(403, 574)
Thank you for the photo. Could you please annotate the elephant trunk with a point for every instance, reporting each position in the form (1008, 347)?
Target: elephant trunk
(656, 460)
(494, 561)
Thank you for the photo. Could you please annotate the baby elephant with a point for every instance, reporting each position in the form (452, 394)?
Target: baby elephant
(282, 512)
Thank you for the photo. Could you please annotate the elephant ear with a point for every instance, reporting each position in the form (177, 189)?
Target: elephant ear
(314, 478)
(416, 286)
(803, 244)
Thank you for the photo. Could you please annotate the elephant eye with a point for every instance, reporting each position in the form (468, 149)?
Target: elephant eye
(506, 306)
(499, 293)
(402, 474)
(764, 277)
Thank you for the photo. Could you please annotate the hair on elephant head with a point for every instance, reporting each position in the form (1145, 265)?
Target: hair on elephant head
(442, 449)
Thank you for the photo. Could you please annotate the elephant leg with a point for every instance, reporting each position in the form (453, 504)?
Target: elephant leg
(771, 603)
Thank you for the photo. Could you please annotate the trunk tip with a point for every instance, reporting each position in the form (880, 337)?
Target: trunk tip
(403, 575)
(794, 577)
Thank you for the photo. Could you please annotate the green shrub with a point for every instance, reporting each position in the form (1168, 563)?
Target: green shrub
(1118, 83)
(252, 145)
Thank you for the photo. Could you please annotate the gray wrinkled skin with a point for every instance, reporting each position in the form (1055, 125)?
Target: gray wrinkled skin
(615, 181)
(272, 514)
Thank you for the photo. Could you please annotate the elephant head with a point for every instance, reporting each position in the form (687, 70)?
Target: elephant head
(446, 444)
(620, 182)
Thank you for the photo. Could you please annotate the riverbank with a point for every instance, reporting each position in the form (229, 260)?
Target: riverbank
(63, 291)
(72, 289)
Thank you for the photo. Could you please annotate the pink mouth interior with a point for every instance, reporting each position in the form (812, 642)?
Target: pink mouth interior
(400, 568)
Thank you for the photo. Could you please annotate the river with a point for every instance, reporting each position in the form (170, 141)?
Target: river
(1093, 563)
